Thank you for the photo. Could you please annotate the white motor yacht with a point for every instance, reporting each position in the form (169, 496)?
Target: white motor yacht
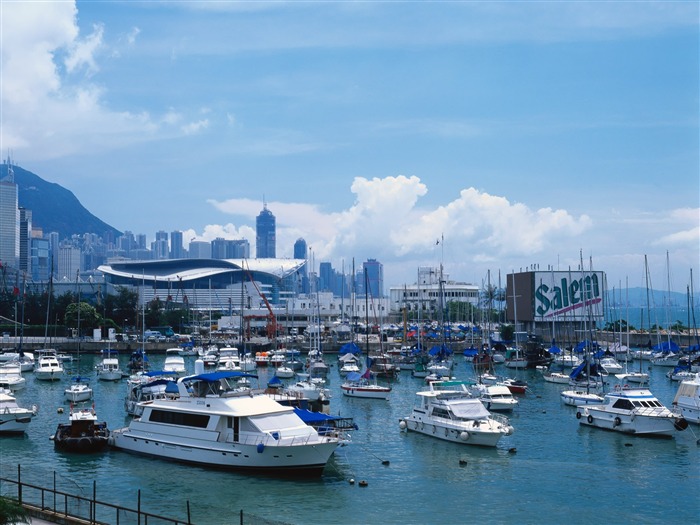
(174, 363)
(108, 369)
(687, 399)
(13, 418)
(448, 411)
(631, 411)
(495, 397)
(202, 422)
(48, 368)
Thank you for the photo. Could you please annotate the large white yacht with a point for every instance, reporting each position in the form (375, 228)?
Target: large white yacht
(205, 419)
(631, 411)
(687, 399)
(448, 411)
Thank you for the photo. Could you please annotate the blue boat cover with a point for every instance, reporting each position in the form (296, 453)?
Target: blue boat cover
(349, 348)
(217, 376)
(307, 416)
(667, 346)
(353, 376)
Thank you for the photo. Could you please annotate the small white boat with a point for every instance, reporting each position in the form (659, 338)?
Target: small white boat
(108, 369)
(312, 389)
(576, 398)
(78, 391)
(687, 400)
(13, 418)
(611, 366)
(449, 412)
(495, 397)
(48, 368)
(553, 376)
(632, 411)
(285, 372)
(174, 363)
(11, 376)
(357, 385)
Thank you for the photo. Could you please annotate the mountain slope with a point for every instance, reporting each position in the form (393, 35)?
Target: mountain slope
(53, 207)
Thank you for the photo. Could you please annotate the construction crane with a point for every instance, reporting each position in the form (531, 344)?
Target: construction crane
(271, 328)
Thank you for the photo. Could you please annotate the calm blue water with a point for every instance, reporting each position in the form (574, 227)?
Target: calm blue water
(559, 472)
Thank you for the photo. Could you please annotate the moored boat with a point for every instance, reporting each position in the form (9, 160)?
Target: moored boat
(357, 385)
(687, 399)
(83, 433)
(13, 418)
(242, 430)
(632, 411)
(449, 412)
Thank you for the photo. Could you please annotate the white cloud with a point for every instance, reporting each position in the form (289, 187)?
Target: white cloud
(193, 128)
(82, 51)
(387, 222)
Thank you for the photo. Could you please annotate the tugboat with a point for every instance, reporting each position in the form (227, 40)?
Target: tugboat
(83, 433)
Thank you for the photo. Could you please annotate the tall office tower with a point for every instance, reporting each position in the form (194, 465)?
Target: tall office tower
(375, 277)
(300, 252)
(238, 249)
(162, 236)
(41, 262)
(177, 249)
(159, 247)
(218, 248)
(265, 234)
(9, 219)
(141, 241)
(25, 240)
(68, 263)
(53, 252)
(200, 250)
(326, 276)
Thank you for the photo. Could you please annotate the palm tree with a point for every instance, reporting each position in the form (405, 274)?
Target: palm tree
(12, 512)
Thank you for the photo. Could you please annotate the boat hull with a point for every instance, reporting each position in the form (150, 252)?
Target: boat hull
(486, 434)
(292, 460)
(364, 392)
(630, 423)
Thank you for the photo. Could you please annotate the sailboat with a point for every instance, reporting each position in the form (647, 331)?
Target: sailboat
(638, 377)
(357, 385)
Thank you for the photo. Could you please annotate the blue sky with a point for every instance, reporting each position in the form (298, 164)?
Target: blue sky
(521, 133)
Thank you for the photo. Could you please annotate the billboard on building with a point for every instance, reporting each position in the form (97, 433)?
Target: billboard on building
(555, 296)
(568, 296)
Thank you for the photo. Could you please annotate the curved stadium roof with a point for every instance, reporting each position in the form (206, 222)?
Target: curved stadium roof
(168, 270)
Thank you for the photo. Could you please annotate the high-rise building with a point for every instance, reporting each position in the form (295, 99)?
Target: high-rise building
(265, 234)
(9, 219)
(200, 250)
(374, 270)
(300, 252)
(177, 248)
(25, 240)
(41, 258)
(68, 264)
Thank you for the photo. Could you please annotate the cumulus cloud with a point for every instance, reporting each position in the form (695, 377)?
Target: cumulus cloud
(52, 107)
(386, 221)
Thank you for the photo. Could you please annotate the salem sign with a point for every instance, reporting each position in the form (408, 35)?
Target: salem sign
(568, 295)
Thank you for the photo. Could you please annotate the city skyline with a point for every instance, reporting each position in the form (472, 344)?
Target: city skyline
(484, 137)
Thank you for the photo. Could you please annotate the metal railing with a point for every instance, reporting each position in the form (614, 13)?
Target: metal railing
(53, 504)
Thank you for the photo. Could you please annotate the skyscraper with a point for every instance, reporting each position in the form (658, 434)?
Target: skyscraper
(25, 240)
(177, 250)
(265, 234)
(300, 251)
(9, 219)
(375, 277)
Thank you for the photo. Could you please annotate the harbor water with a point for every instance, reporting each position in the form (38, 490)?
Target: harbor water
(551, 470)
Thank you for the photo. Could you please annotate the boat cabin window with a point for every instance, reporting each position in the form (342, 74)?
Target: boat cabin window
(235, 424)
(624, 404)
(179, 418)
(441, 412)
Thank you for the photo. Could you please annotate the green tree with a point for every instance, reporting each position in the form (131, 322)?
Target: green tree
(12, 512)
(507, 332)
(89, 318)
